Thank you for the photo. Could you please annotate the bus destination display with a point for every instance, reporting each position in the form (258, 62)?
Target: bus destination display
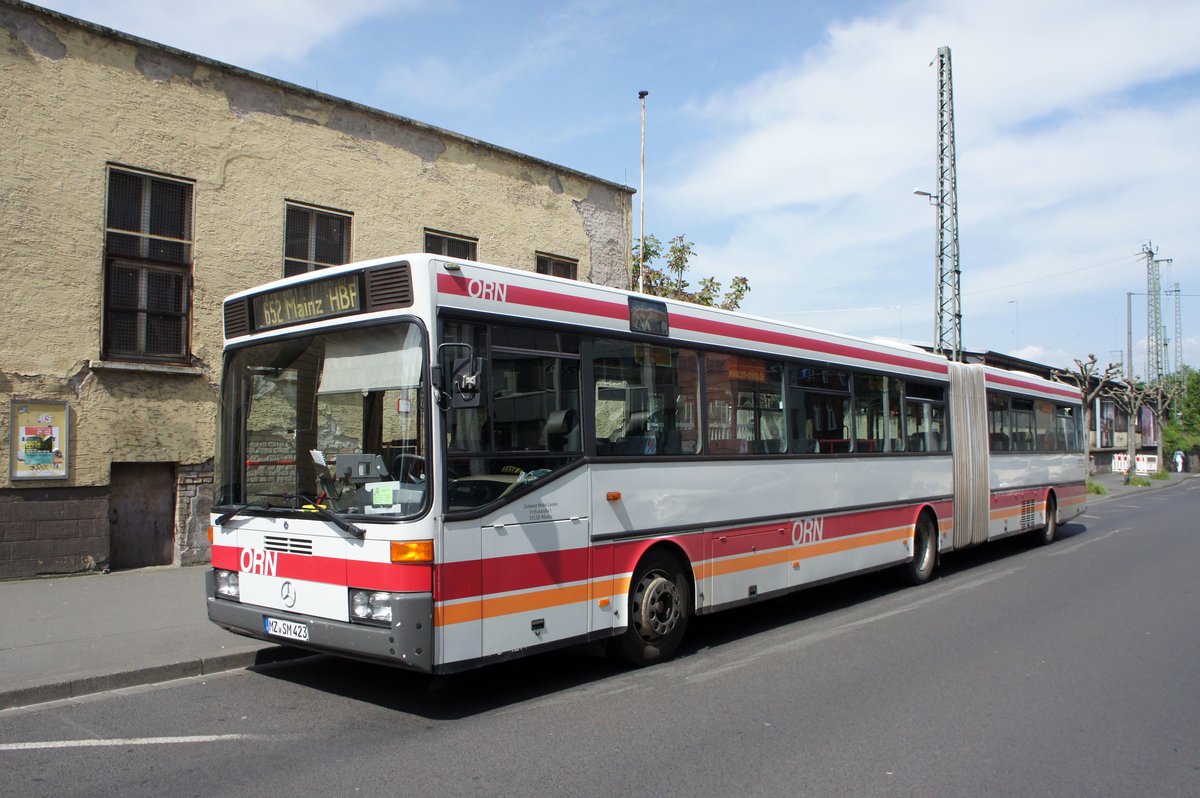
(307, 302)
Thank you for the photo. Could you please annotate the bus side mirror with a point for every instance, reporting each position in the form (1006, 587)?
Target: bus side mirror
(466, 382)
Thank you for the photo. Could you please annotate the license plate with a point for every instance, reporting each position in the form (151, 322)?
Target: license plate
(289, 629)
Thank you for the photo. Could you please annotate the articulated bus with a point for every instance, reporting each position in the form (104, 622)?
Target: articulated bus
(439, 464)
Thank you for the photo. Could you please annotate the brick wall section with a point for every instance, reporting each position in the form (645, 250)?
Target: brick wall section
(193, 501)
(53, 531)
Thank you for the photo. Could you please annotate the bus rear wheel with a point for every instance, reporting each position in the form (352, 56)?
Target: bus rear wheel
(1046, 535)
(658, 610)
(920, 568)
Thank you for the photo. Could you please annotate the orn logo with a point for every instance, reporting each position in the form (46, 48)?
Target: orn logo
(257, 561)
(488, 290)
(808, 530)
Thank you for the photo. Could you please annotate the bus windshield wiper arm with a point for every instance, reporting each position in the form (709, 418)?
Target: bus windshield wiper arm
(329, 515)
(224, 518)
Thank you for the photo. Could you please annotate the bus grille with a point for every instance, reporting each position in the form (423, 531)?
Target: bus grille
(389, 287)
(237, 318)
(1028, 514)
(287, 545)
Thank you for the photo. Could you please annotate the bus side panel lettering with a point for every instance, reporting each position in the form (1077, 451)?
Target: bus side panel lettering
(808, 530)
(485, 289)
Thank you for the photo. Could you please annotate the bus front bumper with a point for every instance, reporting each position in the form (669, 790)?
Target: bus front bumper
(406, 643)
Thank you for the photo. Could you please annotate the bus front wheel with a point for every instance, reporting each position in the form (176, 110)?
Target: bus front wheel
(658, 609)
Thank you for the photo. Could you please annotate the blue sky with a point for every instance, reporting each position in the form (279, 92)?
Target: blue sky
(785, 138)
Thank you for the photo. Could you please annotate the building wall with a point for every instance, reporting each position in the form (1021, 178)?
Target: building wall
(77, 98)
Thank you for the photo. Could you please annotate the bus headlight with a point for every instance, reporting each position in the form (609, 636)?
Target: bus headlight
(371, 606)
(227, 585)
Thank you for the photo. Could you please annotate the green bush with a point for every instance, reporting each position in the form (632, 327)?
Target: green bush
(1174, 437)
(1096, 489)
(1160, 475)
(1139, 482)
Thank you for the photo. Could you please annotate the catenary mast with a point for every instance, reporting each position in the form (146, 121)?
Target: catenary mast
(947, 298)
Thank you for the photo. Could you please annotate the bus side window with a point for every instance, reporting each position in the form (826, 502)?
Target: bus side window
(999, 423)
(646, 398)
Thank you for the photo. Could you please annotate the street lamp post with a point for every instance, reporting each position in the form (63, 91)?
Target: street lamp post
(642, 204)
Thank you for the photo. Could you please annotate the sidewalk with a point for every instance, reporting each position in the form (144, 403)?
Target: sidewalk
(1115, 484)
(69, 636)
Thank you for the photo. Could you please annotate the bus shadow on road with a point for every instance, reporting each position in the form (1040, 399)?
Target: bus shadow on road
(519, 681)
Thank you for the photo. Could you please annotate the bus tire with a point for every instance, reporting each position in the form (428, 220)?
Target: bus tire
(920, 567)
(1046, 535)
(659, 605)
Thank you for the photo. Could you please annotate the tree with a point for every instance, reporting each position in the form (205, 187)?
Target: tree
(1130, 395)
(1189, 405)
(1090, 386)
(670, 281)
(1181, 429)
(1164, 395)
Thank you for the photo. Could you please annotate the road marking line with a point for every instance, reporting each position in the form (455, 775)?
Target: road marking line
(197, 738)
(1081, 544)
(804, 641)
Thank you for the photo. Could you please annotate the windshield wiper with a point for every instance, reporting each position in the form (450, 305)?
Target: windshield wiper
(224, 518)
(328, 515)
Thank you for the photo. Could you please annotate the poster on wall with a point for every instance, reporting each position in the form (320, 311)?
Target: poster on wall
(39, 435)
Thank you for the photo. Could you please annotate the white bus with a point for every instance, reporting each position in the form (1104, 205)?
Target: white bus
(438, 464)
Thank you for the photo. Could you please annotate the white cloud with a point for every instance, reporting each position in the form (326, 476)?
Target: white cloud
(245, 33)
(1075, 143)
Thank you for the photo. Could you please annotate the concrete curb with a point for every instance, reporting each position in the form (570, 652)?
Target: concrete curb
(151, 674)
(1122, 490)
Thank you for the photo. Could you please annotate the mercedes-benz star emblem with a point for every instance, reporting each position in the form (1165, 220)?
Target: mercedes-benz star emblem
(288, 594)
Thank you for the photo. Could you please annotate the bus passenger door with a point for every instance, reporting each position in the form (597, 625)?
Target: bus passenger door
(536, 567)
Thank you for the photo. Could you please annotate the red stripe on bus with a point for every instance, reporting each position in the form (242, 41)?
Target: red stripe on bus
(457, 285)
(394, 577)
(792, 340)
(1029, 386)
(1012, 498)
(459, 580)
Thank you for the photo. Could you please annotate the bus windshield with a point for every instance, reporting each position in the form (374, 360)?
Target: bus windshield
(336, 419)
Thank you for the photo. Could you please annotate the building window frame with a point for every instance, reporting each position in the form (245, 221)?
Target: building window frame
(556, 265)
(451, 245)
(303, 248)
(148, 266)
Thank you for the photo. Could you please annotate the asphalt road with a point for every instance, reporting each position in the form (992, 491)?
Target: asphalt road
(1071, 670)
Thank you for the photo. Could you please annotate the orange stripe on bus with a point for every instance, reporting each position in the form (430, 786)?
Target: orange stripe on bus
(448, 614)
(775, 556)
(1011, 512)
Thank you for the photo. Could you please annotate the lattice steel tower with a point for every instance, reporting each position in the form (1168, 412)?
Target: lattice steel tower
(1178, 331)
(1155, 350)
(947, 299)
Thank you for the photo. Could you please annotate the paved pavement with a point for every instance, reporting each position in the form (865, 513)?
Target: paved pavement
(69, 636)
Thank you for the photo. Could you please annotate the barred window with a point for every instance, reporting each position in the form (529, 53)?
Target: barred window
(557, 267)
(314, 239)
(451, 245)
(148, 267)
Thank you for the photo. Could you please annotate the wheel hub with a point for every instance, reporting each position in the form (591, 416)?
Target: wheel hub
(658, 606)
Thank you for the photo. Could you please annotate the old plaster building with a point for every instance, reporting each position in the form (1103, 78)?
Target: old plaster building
(140, 185)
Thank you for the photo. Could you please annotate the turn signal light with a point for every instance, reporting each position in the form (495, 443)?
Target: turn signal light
(210, 535)
(614, 496)
(412, 551)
